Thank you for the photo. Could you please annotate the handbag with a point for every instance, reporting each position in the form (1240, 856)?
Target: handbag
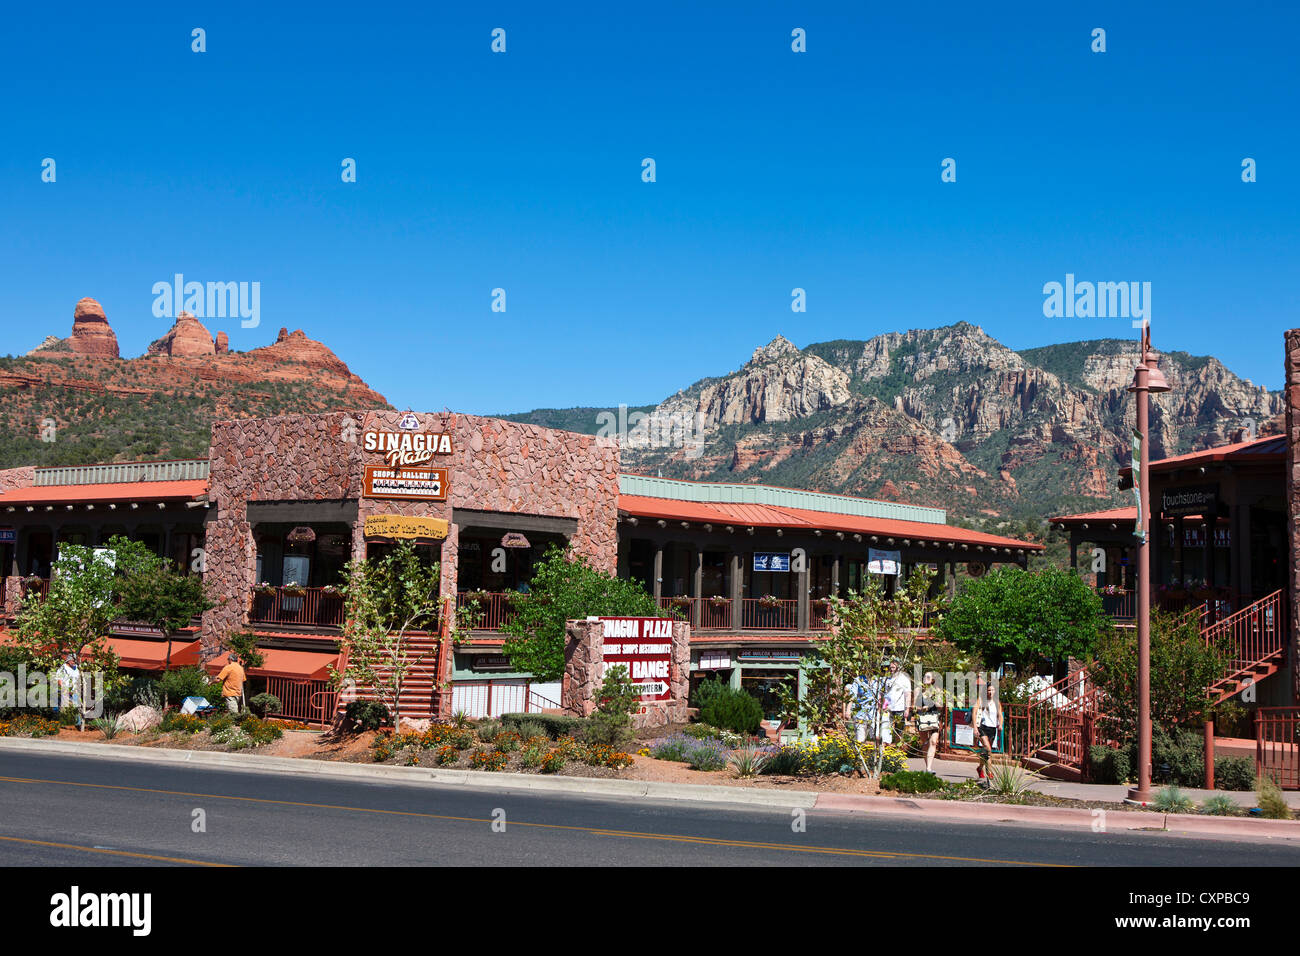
(927, 721)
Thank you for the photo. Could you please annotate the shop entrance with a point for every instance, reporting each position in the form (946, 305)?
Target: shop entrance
(763, 684)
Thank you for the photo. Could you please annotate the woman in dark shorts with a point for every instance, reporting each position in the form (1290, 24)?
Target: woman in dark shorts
(988, 721)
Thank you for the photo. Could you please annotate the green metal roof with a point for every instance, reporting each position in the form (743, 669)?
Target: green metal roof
(730, 493)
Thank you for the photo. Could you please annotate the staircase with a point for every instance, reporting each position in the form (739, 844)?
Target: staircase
(1256, 640)
(430, 651)
(1060, 721)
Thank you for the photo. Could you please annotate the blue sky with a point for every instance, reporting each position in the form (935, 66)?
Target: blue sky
(522, 171)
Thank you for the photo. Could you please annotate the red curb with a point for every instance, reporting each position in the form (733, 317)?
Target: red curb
(1056, 816)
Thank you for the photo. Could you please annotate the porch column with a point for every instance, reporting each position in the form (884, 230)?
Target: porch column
(1074, 550)
(737, 571)
(801, 587)
(697, 588)
(835, 575)
(659, 572)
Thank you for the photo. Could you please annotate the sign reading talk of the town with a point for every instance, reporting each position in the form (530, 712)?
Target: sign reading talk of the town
(414, 484)
(407, 448)
(644, 645)
(403, 526)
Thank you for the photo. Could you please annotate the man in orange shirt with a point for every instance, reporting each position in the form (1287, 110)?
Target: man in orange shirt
(232, 679)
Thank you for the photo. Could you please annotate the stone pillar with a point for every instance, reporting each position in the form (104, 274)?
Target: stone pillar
(583, 660)
(1292, 397)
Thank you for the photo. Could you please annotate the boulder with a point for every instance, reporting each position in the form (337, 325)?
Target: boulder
(414, 726)
(139, 719)
(223, 343)
(91, 333)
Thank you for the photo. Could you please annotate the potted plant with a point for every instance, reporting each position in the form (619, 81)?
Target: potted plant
(719, 601)
(769, 600)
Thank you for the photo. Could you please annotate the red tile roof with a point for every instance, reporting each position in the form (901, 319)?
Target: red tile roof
(1267, 448)
(117, 491)
(1117, 515)
(772, 516)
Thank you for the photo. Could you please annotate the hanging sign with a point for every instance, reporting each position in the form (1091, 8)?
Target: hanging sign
(771, 561)
(514, 540)
(402, 526)
(1139, 527)
(8, 536)
(883, 562)
(644, 645)
(414, 484)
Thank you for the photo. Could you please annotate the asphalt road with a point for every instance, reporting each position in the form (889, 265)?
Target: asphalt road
(86, 811)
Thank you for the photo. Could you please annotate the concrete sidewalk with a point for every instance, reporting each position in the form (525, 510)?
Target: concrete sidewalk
(958, 770)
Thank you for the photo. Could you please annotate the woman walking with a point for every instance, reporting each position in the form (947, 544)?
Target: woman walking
(929, 710)
(988, 723)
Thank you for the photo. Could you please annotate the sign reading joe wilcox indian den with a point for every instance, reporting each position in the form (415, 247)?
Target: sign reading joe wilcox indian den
(644, 645)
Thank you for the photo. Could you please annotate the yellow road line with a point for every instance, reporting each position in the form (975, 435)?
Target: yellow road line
(595, 831)
(98, 849)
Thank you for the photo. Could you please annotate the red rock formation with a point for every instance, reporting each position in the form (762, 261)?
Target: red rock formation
(223, 343)
(188, 338)
(91, 333)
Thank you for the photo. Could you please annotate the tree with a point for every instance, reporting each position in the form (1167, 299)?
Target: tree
(386, 599)
(153, 592)
(617, 700)
(565, 587)
(868, 631)
(1025, 617)
(1183, 666)
(76, 611)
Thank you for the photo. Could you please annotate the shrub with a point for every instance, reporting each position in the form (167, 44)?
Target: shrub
(553, 762)
(173, 721)
(707, 690)
(1271, 803)
(488, 760)
(447, 754)
(507, 741)
(553, 725)
(1173, 800)
(68, 717)
(1109, 764)
(734, 710)
(488, 729)
(233, 737)
(702, 732)
(534, 755)
(263, 704)
(1221, 805)
(707, 755)
(184, 682)
(145, 691)
(785, 760)
(528, 729)
(29, 725)
(1182, 750)
(1234, 773)
(672, 748)
(260, 731)
(911, 781)
(611, 724)
(365, 715)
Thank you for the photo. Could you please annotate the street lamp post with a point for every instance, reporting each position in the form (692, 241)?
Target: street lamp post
(1147, 378)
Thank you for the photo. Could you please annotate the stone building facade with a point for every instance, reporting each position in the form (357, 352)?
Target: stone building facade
(1292, 398)
(304, 468)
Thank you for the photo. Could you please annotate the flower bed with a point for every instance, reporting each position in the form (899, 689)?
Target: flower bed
(445, 745)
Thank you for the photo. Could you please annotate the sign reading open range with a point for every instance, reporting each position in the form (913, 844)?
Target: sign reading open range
(417, 484)
(644, 645)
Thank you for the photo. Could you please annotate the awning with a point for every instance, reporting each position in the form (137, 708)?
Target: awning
(146, 655)
(296, 665)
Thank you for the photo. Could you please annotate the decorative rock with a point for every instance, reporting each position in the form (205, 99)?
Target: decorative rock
(411, 726)
(139, 719)
(223, 343)
(91, 333)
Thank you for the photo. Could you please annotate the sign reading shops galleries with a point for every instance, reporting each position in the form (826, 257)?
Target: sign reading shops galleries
(644, 645)
(412, 484)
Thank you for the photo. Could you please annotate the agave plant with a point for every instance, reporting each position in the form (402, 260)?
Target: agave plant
(1221, 805)
(1173, 800)
(1009, 779)
(748, 760)
(107, 725)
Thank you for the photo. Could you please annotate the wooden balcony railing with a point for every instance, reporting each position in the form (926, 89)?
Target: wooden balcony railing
(1121, 604)
(495, 609)
(299, 607)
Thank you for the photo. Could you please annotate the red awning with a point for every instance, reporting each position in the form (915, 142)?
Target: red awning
(297, 665)
(147, 655)
(185, 490)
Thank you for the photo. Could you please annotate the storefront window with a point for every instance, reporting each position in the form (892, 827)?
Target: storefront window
(764, 684)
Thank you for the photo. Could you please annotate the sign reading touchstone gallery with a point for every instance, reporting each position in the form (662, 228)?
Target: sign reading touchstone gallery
(644, 645)
(1196, 500)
